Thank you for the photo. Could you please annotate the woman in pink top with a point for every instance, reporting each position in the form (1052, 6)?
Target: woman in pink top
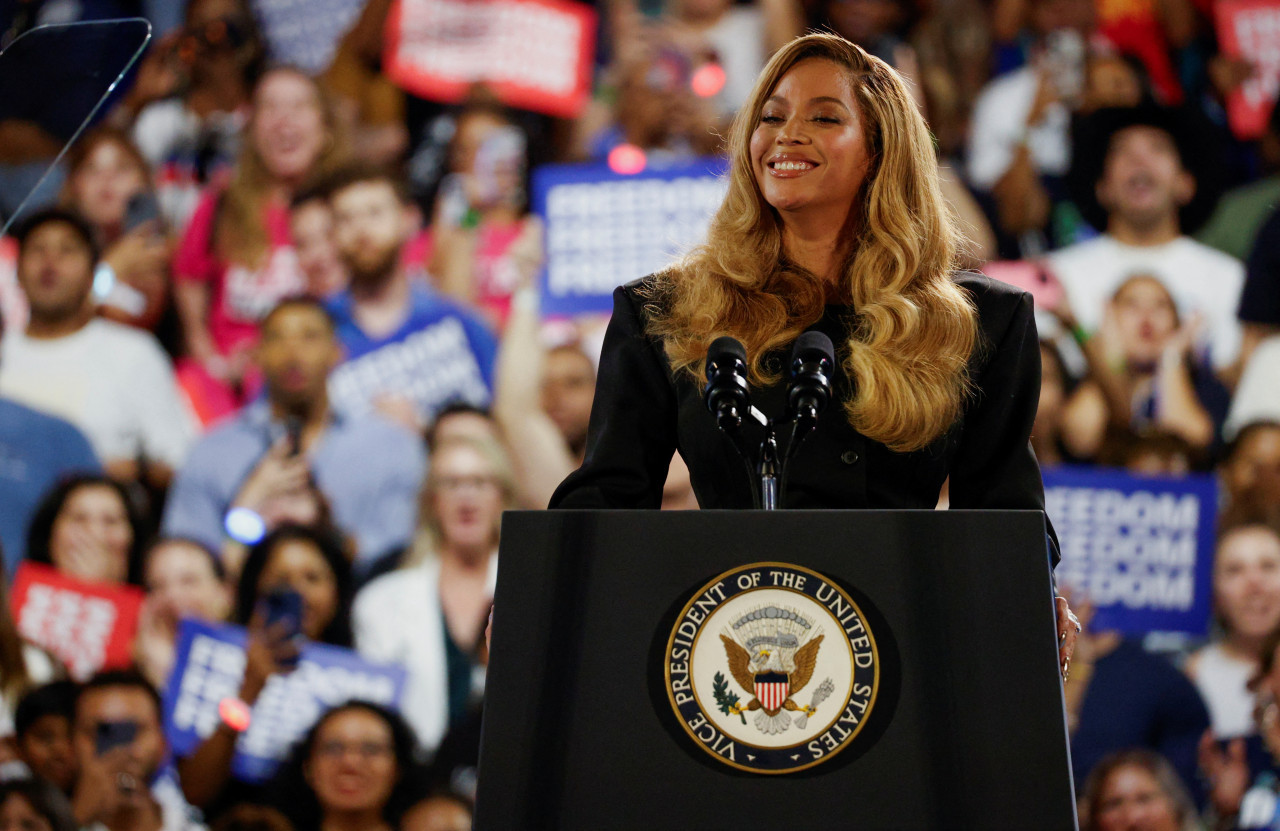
(236, 259)
(481, 238)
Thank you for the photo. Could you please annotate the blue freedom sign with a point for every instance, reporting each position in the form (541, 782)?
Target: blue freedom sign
(604, 229)
(210, 667)
(1140, 549)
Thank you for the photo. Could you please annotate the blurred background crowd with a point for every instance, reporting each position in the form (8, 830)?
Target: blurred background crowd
(272, 335)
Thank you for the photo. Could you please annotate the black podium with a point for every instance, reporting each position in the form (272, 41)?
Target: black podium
(966, 731)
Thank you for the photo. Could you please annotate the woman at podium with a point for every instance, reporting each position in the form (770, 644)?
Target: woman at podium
(833, 221)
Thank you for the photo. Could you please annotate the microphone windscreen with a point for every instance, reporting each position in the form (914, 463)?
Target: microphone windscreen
(813, 345)
(726, 347)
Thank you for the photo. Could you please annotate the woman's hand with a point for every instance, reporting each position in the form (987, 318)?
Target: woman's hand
(153, 646)
(269, 651)
(1227, 772)
(1068, 633)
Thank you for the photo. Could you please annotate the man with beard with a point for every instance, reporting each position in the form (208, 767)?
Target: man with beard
(367, 468)
(1142, 175)
(410, 350)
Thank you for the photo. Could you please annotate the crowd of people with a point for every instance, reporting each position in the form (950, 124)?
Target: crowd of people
(280, 331)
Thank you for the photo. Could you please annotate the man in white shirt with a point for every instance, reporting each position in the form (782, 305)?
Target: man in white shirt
(1144, 195)
(112, 381)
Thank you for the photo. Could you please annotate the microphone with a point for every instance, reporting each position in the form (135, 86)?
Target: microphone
(726, 394)
(812, 360)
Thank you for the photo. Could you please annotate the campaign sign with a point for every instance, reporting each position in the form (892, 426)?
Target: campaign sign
(210, 667)
(604, 229)
(534, 54)
(1250, 29)
(1139, 548)
(87, 626)
(305, 33)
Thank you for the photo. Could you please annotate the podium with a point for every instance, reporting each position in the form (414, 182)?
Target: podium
(587, 725)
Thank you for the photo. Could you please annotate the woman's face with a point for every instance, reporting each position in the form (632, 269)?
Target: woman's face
(353, 764)
(809, 151)
(16, 814)
(1145, 319)
(288, 125)
(91, 535)
(299, 565)
(1246, 582)
(1131, 800)
(468, 497)
(181, 581)
(105, 182)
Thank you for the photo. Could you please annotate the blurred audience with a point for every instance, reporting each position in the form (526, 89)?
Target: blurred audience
(42, 726)
(36, 451)
(356, 769)
(1019, 148)
(120, 747)
(22, 666)
(429, 615)
(191, 100)
(482, 244)
(439, 812)
(1143, 176)
(1120, 696)
(109, 185)
(409, 350)
(34, 805)
(311, 224)
(112, 381)
(366, 468)
(1246, 604)
(309, 565)
(1251, 473)
(1142, 375)
(183, 579)
(1136, 789)
(236, 260)
(89, 528)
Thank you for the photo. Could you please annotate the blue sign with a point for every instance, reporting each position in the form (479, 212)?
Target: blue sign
(604, 229)
(1140, 549)
(210, 667)
(305, 33)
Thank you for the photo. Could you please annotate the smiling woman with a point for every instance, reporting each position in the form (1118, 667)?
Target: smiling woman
(833, 220)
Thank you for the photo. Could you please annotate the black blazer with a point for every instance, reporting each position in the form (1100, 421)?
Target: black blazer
(642, 413)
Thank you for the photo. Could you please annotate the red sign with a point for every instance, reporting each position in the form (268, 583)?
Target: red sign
(1250, 29)
(88, 626)
(534, 54)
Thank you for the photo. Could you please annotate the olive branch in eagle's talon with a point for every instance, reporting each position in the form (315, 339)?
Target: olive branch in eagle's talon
(727, 701)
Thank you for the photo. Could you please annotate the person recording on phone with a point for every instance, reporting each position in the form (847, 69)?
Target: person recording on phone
(833, 221)
(1019, 142)
(118, 735)
(296, 587)
(109, 184)
(270, 462)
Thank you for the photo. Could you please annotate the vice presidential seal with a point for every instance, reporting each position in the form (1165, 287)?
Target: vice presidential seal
(772, 668)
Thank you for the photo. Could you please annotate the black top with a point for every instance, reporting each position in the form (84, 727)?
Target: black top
(1260, 297)
(642, 414)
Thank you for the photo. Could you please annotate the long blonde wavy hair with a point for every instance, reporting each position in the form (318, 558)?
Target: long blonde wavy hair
(430, 533)
(241, 235)
(908, 347)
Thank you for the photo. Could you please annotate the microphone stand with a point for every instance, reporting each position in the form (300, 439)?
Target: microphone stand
(768, 469)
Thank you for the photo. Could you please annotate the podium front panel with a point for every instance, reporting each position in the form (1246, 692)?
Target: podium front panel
(966, 731)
